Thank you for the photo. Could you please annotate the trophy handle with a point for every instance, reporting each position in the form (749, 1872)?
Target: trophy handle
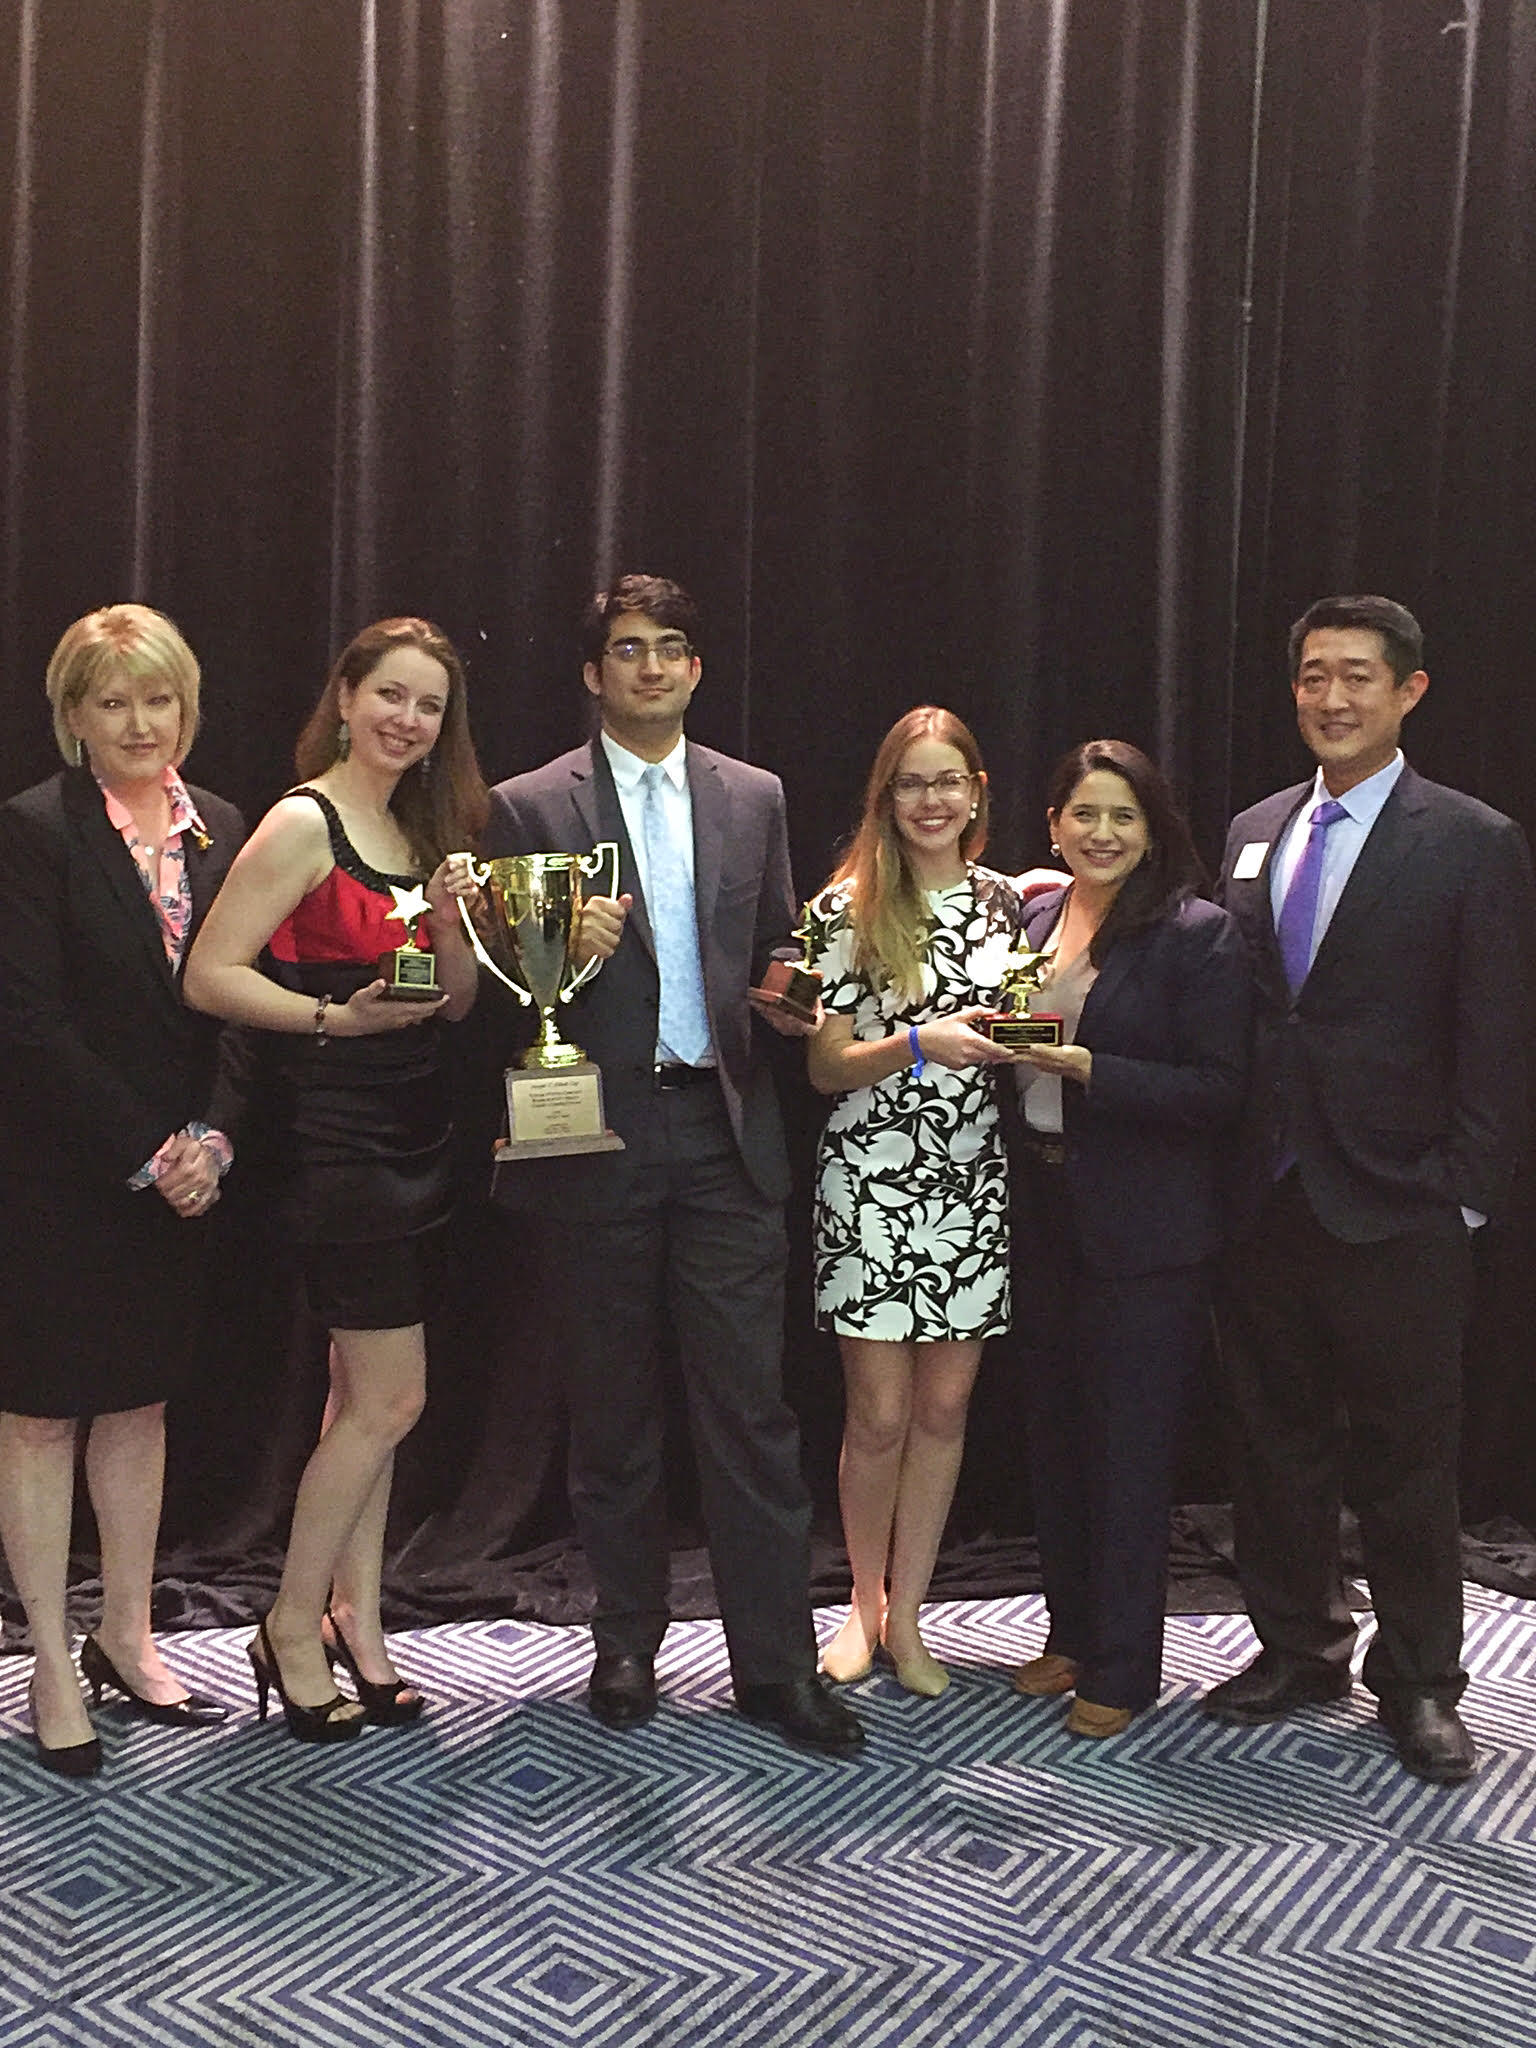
(605, 852)
(480, 874)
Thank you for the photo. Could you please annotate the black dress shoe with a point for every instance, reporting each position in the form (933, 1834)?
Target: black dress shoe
(622, 1690)
(71, 1759)
(1431, 1737)
(804, 1713)
(1272, 1687)
(197, 1710)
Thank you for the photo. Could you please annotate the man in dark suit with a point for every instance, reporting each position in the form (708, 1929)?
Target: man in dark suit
(1389, 922)
(691, 1211)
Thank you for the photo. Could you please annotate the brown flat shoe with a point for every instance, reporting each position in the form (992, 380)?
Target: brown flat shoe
(1097, 1722)
(1042, 1678)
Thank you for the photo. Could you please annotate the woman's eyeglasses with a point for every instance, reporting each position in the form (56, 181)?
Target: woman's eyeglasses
(908, 788)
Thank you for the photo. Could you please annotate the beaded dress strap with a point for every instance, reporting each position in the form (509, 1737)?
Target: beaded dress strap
(344, 853)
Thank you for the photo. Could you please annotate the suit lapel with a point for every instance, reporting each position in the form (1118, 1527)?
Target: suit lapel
(1249, 900)
(1387, 845)
(711, 812)
(87, 815)
(596, 798)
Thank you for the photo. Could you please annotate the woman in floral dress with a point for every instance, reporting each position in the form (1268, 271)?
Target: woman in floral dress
(911, 939)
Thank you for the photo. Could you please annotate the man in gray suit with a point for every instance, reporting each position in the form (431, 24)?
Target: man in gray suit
(690, 1213)
(1389, 923)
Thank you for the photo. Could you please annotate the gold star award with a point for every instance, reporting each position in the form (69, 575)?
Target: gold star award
(409, 972)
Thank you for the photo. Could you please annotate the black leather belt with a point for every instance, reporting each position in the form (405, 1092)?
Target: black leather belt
(1044, 1147)
(675, 1075)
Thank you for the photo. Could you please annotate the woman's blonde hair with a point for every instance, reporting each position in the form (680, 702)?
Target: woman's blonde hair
(887, 910)
(110, 645)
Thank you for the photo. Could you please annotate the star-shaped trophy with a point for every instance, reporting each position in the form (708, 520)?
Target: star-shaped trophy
(409, 973)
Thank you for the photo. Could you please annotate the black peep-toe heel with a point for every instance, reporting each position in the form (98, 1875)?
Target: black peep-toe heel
(390, 1703)
(337, 1719)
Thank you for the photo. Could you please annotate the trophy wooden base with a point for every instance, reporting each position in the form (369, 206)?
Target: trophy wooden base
(1017, 1029)
(555, 1113)
(794, 988)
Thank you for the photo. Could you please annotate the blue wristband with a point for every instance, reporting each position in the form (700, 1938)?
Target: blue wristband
(918, 1062)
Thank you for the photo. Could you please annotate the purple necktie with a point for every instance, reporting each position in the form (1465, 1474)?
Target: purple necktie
(1298, 913)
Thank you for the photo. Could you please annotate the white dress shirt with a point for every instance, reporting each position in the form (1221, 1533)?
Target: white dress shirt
(628, 777)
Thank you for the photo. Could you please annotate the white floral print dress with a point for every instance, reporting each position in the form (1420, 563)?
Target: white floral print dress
(911, 1222)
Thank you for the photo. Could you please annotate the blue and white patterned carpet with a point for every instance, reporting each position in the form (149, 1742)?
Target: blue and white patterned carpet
(510, 1873)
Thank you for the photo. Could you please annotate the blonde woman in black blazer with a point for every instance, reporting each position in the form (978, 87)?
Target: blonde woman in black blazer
(114, 1121)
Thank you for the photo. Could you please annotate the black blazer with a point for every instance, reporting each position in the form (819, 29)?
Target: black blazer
(100, 1060)
(746, 908)
(1167, 1022)
(1398, 1075)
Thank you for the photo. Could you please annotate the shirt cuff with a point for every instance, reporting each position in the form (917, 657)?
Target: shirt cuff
(154, 1166)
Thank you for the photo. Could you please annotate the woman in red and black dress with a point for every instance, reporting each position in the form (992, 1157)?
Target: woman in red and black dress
(337, 874)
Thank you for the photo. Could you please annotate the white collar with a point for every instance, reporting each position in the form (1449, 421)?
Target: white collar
(1364, 802)
(629, 769)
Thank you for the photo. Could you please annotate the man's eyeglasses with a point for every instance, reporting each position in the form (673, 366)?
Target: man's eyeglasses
(671, 647)
(908, 788)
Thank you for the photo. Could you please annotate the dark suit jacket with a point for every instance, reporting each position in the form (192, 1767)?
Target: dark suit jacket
(1167, 1022)
(100, 1060)
(746, 909)
(1398, 1075)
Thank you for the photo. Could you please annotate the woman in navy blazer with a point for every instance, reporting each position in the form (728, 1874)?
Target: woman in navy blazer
(1118, 1145)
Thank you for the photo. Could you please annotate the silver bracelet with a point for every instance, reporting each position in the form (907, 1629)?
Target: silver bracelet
(320, 1009)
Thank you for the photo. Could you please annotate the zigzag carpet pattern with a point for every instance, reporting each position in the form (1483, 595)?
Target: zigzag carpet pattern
(510, 1875)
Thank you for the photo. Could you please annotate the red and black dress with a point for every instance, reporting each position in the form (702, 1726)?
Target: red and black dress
(362, 1123)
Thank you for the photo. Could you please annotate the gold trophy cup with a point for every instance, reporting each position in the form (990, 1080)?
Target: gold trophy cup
(522, 931)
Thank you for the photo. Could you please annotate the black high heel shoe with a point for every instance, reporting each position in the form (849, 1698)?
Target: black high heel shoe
(389, 1703)
(197, 1710)
(73, 1759)
(337, 1719)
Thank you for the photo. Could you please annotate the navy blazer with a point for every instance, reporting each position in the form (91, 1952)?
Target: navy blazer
(1398, 1074)
(1167, 1022)
(102, 1061)
(746, 910)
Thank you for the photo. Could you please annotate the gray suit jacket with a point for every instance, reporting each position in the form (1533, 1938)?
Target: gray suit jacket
(746, 910)
(1398, 1073)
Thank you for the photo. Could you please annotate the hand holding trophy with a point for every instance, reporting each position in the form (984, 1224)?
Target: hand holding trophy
(522, 930)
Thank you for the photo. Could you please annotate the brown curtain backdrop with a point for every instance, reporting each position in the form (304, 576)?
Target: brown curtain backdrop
(1043, 359)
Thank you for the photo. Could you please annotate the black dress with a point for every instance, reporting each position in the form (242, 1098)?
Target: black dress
(100, 1062)
(358, 1128)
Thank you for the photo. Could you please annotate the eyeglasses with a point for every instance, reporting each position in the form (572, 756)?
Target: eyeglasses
(908, 788)
(673, 648)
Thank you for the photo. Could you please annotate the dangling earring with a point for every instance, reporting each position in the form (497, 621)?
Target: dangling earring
(425, 764)
(1055, 851)
(79, 751)
(343, 741)
(974, 809)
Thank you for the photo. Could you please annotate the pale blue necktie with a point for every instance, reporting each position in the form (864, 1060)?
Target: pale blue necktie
(1298, 912)
(683, 1026)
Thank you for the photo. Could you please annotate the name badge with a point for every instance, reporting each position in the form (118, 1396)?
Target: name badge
(1250, 860)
